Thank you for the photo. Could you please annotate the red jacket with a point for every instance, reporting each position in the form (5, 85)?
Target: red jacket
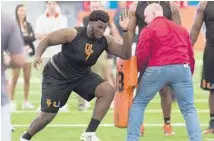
(163, 42)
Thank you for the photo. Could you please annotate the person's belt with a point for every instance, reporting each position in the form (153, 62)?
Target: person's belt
(55, 66)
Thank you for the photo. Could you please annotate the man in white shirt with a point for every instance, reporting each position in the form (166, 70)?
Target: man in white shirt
(48, 22)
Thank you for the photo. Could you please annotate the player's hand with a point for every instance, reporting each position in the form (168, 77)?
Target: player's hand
(124, 20)
(37, 61)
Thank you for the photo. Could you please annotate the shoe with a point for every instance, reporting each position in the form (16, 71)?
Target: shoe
(84, 107)
(13, 129)
(168, 130)
(27, 105)
(64, 108)
(210, 129)
(142, 130)
(13, 106)
(22, 139)
(89, 136)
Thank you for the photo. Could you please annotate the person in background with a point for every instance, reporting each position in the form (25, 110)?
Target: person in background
(28, 37)
(12, 44)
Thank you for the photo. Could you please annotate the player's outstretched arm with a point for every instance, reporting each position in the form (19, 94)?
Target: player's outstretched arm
(57, 37)
(128, 24)
(196, 27)
(117, 48)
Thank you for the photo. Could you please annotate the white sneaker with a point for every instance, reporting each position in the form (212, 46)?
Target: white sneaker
(64, 108)
(22, 139)
(89, 136)
(27, 105)
(13, 106)
(85, 106)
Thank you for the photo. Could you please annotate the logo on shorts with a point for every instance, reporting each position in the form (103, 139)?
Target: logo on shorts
(56, 104)
(88, 50)
(207, 85)
(48, 102)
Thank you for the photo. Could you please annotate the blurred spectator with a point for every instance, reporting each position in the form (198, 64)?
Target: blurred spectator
(48, 22)
(122, 5)
(28, 36)
(11, 42)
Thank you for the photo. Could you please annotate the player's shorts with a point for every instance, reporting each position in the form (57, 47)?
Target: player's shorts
(56, 89)
(207, 81)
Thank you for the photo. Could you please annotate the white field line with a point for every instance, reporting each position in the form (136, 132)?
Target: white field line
(105, 125)
(111, 111)
(201, 100)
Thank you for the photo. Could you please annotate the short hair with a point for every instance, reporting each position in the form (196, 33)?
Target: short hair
(155, 8)
(99, 15)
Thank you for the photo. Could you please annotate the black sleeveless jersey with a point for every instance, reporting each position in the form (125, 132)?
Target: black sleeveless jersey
(141, 6)
(209, 21)
(77, 57)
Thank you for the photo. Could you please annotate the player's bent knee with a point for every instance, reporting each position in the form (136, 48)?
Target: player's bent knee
(105, 90)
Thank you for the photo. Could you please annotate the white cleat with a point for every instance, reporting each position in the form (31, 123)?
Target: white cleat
(27, 106)
(89, 136)
(64, 108)
(22, 139)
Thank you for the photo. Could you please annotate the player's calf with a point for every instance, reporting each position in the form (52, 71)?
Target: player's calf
(37, 125)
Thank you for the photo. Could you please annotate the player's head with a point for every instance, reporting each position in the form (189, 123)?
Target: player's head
(98, 22)
(51, 6)
(152, 11)
(20, 13)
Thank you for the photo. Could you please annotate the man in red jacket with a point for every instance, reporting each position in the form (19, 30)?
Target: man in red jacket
(165, 55)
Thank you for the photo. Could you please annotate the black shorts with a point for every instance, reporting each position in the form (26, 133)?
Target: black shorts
(56, 89)
(207, 81)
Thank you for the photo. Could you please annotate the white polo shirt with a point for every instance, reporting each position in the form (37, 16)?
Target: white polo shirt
(47, 25)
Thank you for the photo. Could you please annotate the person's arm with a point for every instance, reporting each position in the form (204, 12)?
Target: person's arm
(115, 47)
(15, 48)
(114, 31)
(57, 37)
(199, 19)
(128, 24)
(175, 13)
(132, 23)
(144, 48)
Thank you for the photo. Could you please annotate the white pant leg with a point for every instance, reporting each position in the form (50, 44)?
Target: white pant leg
(5, 123)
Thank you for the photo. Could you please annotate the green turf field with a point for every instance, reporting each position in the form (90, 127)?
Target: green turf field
(69, 126)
